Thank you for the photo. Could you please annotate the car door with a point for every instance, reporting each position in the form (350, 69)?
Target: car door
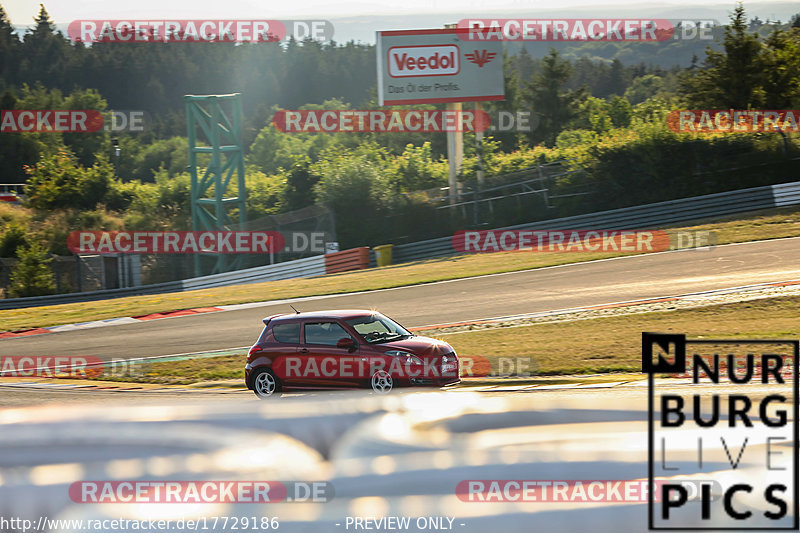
(283, 348)
(333, 366)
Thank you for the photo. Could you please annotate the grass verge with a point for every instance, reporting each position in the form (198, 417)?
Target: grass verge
(772, 224)
(612, 344)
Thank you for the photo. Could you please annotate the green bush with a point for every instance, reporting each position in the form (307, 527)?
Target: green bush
(416, 169)
(165, 204)
(12, 239)
(357, 186)
(59, 182)
(32, 275)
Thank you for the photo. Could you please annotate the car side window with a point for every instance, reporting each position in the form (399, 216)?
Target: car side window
(325, 333)
(287, 333)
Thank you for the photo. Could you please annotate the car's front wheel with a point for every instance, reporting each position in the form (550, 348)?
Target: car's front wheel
(382, 382)
(266, 384)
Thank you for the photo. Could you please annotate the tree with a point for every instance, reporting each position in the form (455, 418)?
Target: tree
(45, 52)
(299, 191)
(524, 65)
(273, 149)
(643, 88)
(165, 204)
(169, 154)
(620, 111)
(731, 78)
(264, 194)
(16, 149)
(595, 115)
(416, 169)
(356, 178)
(44, 26)
(781, 76)
(616, 82)
(600, 116)
(86, 146)
(512, 66)
(9, 48)
(554, 105)
(39, 97)
(32, 275)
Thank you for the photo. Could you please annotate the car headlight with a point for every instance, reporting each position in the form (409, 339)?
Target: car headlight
(408, 358)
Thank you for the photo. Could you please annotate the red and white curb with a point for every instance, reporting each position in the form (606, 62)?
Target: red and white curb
(110, 322)
(153, 316)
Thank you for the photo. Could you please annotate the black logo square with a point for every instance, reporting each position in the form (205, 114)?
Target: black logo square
(670, 350)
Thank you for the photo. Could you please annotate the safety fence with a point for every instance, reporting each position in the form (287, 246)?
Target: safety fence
(637, 217)
(318, 265)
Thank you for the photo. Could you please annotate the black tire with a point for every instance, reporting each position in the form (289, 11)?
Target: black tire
(266, 384)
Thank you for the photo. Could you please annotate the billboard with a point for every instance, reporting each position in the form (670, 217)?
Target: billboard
(437, 66)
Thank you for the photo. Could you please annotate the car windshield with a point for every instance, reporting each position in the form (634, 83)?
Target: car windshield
(378, 328)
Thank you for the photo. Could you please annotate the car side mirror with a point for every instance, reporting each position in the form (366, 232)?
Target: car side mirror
(346, 343)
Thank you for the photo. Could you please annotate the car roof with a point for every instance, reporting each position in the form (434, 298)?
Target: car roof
(319, 315)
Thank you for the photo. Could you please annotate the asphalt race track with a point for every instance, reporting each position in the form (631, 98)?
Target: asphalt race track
(577, 285)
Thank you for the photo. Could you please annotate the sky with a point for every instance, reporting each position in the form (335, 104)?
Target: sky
(64, 11)
(358, 20)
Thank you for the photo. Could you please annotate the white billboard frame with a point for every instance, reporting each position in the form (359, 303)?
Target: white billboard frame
(473, 57)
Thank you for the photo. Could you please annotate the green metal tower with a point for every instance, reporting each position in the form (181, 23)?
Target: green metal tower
(215, 121)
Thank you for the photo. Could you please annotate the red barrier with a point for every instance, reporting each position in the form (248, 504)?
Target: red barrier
(354, 259)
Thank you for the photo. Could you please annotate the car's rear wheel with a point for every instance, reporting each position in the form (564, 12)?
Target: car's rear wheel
(381, 382)
(266, 384)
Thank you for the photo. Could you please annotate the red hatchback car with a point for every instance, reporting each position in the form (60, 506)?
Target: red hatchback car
(345, 349)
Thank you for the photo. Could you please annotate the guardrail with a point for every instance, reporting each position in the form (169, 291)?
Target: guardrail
(319, 265)
(300, 268)
(637, 217)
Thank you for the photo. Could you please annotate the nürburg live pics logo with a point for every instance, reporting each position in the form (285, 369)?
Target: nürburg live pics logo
(724, 411)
